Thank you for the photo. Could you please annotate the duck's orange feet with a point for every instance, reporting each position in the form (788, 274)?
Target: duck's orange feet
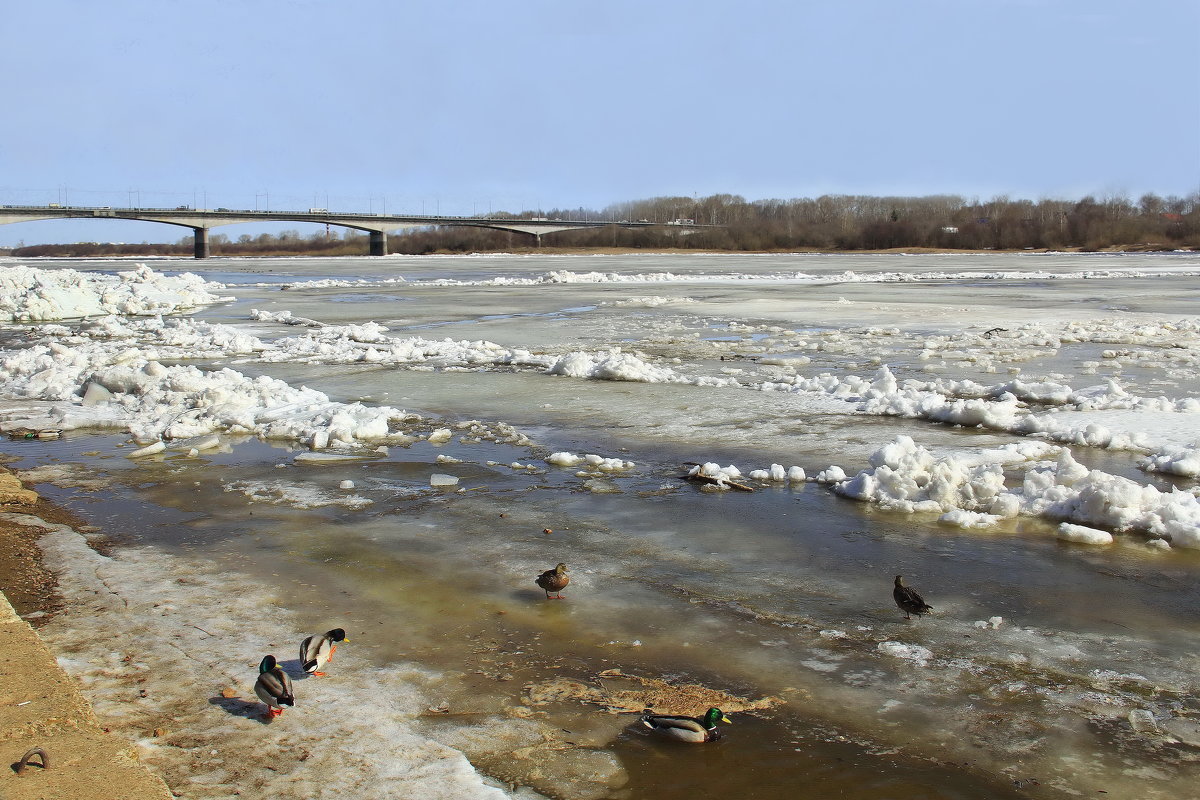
(319, 674)
(274, 712)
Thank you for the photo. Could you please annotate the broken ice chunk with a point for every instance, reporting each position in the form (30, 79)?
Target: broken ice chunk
(148, 450)
(1142, 721)
(1083, 535)
(440, 436)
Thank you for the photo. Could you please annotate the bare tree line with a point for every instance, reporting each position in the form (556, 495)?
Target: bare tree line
(828, 223)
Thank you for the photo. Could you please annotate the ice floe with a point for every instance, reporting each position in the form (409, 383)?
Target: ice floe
(907, 477)
(28, 294)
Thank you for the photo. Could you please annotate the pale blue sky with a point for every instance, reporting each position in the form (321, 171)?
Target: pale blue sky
(464, 107)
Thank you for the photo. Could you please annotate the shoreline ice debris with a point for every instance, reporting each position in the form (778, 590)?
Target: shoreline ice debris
(590, 461)
(715, 477)
(148, 450)
(908, 478)
(1081, 534)
(28, 294)
(831, 474)
(1070, 416)
(777, 474)
(156, 402)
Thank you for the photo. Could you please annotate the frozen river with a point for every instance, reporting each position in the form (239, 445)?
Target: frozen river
(398, 446)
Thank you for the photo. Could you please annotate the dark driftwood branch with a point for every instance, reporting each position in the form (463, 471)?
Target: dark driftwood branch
(741, 487)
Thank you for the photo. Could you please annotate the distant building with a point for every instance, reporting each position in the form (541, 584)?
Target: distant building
(949, 229)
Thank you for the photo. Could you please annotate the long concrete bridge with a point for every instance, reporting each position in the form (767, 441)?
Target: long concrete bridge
(200, 220)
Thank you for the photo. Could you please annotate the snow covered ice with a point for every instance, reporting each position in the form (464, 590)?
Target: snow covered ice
(29, 294)
(404, 449)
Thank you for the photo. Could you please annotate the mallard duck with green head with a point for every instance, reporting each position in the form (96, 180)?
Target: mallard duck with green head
(317, 651)
(554, 580)
(695, 730)
(274, 687)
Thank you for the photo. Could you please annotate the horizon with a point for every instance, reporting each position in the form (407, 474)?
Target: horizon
(467, 110)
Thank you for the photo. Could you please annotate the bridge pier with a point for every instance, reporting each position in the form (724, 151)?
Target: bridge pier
(378, 243)
(200, 249)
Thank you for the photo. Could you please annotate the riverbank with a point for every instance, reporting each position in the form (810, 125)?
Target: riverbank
(40, 706)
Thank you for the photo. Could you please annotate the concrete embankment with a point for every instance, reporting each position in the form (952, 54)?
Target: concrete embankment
(42, 708)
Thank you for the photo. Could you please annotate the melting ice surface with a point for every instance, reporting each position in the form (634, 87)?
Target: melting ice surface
(397, 446)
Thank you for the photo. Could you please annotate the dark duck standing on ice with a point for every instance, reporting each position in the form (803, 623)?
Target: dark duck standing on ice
(317, 651)
(909, 601)
(554, 580)
(695, 730)
(273, 687)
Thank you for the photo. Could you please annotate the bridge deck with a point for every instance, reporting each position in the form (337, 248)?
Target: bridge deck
(201, 220)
